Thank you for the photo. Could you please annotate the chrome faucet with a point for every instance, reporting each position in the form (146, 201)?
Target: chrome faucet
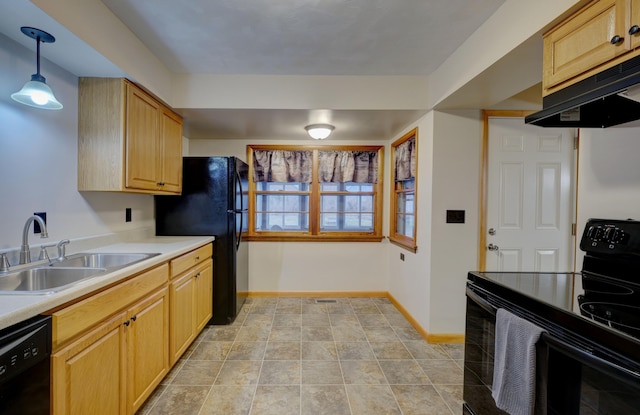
(25, 254)
(61, 249)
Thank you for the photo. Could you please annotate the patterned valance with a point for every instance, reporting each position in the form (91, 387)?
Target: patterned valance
(405, 160)
(282, 166)
(348, 166)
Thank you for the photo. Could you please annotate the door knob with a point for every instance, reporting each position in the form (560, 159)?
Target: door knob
(492, 247)
(492, 231)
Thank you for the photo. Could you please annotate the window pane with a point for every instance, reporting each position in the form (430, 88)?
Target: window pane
(282, 212)
(351, 213)
(404, 225)
(279, 187)
(405, 202)
(407, 184)
(347, 187)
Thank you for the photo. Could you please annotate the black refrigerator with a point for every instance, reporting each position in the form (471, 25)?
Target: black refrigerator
(214, 202)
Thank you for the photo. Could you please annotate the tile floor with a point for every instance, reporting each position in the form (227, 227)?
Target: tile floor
(305, 356)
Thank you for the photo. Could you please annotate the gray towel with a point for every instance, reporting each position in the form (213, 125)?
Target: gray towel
(514, 368)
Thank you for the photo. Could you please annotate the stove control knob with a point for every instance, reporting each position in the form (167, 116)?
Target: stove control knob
(590, 231)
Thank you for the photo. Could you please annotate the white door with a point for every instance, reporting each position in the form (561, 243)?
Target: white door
(529, 197)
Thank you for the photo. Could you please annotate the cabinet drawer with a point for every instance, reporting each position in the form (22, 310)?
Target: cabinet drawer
(78, 317)
(188, 260)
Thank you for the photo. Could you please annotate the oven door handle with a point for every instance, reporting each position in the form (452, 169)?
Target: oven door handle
(584, 356)
(484, 304)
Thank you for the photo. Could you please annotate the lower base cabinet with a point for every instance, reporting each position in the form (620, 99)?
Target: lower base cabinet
(87, 375)
(112, 349)
(113, 368)
(191, 307)
(147, 337)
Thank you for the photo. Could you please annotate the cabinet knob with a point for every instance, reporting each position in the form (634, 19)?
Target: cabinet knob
(126, 323)
(616, 40)
(634, 29)
(197, 275)
(197, 258)
(134, 318)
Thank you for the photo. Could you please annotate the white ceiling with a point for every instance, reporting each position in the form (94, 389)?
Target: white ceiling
(303, 37)
(275, 37)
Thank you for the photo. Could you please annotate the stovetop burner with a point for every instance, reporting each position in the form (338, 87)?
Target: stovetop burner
(601, 286)
(618, 316)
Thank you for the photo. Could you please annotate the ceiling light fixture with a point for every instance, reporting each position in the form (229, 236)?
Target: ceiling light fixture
(319, 131)
(36, 92)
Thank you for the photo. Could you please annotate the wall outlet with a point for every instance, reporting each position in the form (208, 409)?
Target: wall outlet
(401, 256)
(127, 215)
(36, 225)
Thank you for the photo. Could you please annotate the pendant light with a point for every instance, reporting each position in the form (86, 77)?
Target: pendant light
(36, 92)
(319, 131)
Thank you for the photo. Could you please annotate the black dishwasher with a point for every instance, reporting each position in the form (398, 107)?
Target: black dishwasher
(25, 371)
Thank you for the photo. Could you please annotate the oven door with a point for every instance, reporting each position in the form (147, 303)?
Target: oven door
(580, 378)
(479, 346)
(580, 382)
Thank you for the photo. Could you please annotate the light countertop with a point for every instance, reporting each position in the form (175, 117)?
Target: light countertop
(15, 308)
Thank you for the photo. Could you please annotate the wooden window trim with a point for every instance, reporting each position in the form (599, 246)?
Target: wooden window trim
(395, 238)
(315, 235)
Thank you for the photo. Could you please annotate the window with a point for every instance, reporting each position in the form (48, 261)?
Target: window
(404, 153)
(328, 193)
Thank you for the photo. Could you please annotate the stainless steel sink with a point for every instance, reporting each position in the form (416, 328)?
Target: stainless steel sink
(44, 280)
(101, 260)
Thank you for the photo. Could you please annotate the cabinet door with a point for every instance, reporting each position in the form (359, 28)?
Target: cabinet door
(87, 375)
(171, 139)
(147, 335)
(584, 41)
(204, 295)
(182, 323)
(634, 20)
(143, 143)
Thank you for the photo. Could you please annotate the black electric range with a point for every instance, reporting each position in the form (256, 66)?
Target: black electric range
(592, 318)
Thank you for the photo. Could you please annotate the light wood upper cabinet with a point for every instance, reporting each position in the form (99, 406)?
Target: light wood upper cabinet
(634, 24)
(128, 141)
(171, 139)
(585, 41)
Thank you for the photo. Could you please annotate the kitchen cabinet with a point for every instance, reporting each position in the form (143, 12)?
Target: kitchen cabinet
(128, 141)
(585, 40)
(147, 338)
(190, 298)
(114, 365)
(112, 348)
(87, 375)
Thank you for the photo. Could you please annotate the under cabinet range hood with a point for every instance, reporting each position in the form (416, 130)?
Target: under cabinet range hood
(609, 98)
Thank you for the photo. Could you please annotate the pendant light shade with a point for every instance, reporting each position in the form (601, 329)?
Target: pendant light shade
(319, 131)
(36, 92)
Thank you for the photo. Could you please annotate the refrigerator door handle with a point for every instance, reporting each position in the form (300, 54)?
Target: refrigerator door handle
(239, 238)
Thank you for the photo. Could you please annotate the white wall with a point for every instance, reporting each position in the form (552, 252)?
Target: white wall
(456, 178)
(410, 280)
(308, 266)
(608, 176)
(38, 162)
(430, 283)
